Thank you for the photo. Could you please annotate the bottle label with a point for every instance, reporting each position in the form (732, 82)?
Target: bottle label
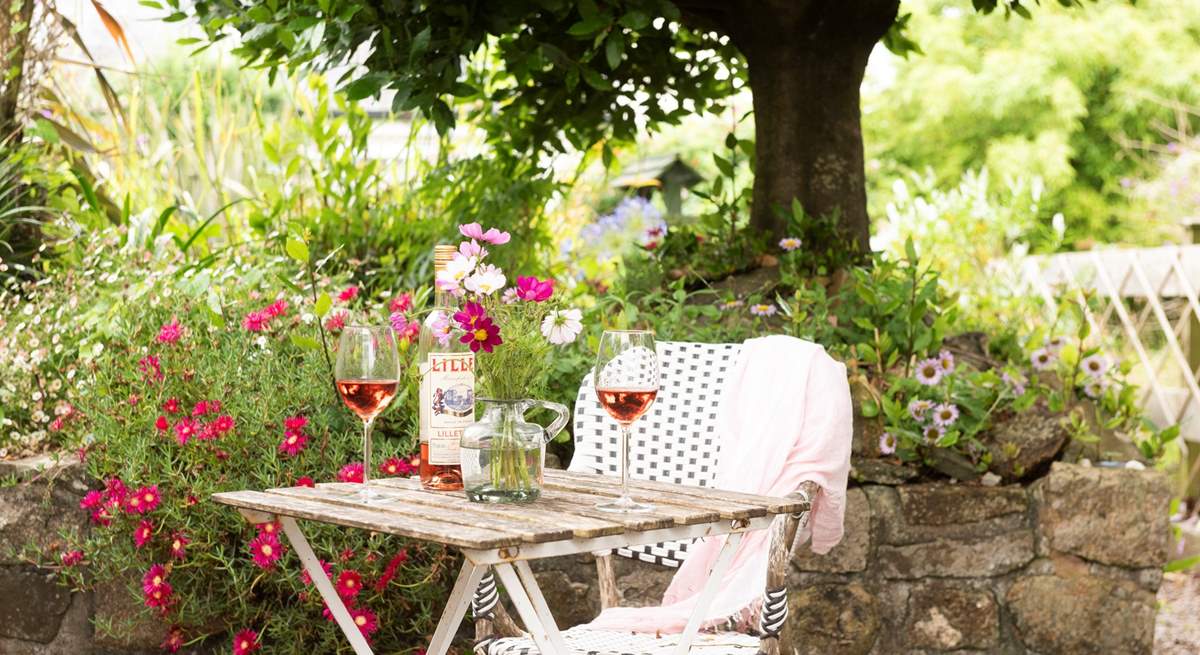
(447, 404)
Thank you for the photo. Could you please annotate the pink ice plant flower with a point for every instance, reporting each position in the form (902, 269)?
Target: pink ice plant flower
(142, 533)
(170, 332)
(72, 557)
(352, 472)
(245, 642)
(530, 288)
(265, 550)
(492, 236)
(256, 321)
(348, 294)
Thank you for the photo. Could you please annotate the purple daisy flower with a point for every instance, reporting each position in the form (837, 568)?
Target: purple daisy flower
(917, 409)
(1094, 389)
(929, 372)
(763, 310)
(945, 414)
(887, 443)
(933, 432)
(1095, 365)
(1043, 358)
(946, 359)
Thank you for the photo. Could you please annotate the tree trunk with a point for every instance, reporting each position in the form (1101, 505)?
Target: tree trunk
(14, 61)
(806, 63)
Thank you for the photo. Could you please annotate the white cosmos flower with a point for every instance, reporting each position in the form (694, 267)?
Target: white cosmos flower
(460, 267)
(486, 280)
(562, 326)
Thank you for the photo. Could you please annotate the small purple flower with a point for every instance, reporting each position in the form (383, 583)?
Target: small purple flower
(1055, 344)
(790, 243)
(946, 359)
(917, 409)
(945, 414)
(1017, 383)
(929, 372)
(1094, 389)
(731, 304)
(887, 443)
(933, 432)
(1043, 358)
(763, 310)
(1095, 365)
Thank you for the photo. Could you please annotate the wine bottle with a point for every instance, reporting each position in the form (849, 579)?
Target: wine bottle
(447, 395)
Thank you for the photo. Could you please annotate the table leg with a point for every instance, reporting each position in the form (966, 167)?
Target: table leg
(544, 632)
(715, 577)
(540, 606)
(324, 586)
(456, 607)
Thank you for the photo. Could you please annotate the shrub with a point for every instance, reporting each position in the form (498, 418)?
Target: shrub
(191, 398)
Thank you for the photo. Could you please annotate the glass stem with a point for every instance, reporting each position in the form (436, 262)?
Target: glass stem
(625, 431)
(367, 425)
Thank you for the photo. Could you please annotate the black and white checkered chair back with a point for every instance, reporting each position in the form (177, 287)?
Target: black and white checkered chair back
(676, 441)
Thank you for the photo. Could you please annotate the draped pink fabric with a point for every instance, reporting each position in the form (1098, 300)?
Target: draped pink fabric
(785, 417)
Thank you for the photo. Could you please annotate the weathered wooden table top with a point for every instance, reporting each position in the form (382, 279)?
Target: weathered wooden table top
(565, 511)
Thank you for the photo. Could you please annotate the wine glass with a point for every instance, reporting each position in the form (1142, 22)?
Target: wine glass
(626, 381)
(367, 375)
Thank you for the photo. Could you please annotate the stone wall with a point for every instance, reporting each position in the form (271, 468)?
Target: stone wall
(1069, 564)
(37, 615)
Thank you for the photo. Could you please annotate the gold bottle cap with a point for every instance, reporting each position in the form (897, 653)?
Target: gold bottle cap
(442, 254)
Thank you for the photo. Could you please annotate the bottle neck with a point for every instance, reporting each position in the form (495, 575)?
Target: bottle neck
(444, 299)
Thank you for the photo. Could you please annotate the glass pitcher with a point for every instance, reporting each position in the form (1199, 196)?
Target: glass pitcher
(503, 454)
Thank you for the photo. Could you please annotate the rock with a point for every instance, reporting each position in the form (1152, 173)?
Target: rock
(642, 584)
(880, 471)
(1113, 516)
(132, 629)
(945, 504)
(570, 602)
(34, 603)
(967, 558)
(893, 526)
(1082, 615)
(948, 616)
(1023, 445)
(971, 348)
(34, 513)
(742, 285)
(833, 618)
(74, 634)
(851, 554)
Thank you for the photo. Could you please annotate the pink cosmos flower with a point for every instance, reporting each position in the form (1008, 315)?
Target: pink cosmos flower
(336, 321)
(293, 442)
(170, 332)
(276, 309)
(349, 584)
(352, 472)
(256, 321)
(245, 642)
(365, 619)
(348, 294)
(265, 550)
(162, 424)
(185, 429)
(150, 368)
(472, 249)
(401, 303)
(509, 296)
(441, 328)
(305, 481)
(142, 533)
(492, 236)
(173, 641)
(171, 406)
(179, 542)
(395, 466)
(72, 557)
(91, 500)
(530, 288)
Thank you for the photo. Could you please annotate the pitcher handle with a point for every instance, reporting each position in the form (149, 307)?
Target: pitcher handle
(560, 420)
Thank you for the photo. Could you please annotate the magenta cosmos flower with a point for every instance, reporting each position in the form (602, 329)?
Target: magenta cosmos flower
(492, 236)
(484, 335)
(530, 288)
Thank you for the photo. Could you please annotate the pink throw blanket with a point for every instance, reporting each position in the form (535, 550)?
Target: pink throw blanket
(784, 418)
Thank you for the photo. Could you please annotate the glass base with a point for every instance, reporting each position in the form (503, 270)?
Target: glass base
(625, 505)
(368, 495)
(488, 494)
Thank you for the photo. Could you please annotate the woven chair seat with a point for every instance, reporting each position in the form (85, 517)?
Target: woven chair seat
(598, 642)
